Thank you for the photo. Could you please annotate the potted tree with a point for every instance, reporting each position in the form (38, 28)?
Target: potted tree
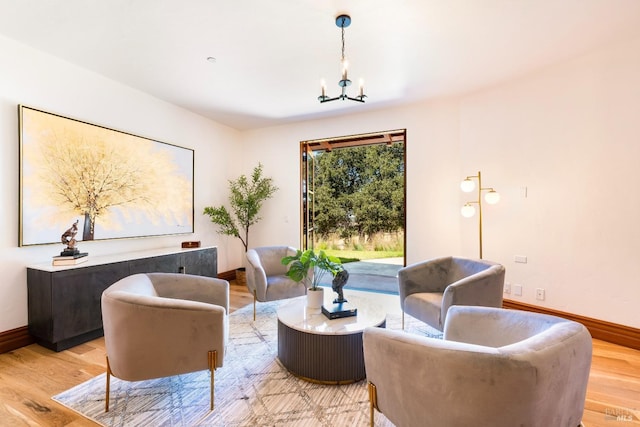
(310, 267)
(245, 199)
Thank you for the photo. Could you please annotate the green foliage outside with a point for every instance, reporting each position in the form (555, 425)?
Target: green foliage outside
(359, 191)
(378, 242)
(359, 201)
(352, 256)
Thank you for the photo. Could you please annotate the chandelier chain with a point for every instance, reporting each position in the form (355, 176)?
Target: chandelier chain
(342, 26)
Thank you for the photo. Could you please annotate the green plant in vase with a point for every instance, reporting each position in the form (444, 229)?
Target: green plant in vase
(310, 267)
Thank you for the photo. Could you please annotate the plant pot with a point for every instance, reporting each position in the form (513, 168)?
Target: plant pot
(315, 298)
(241, 276)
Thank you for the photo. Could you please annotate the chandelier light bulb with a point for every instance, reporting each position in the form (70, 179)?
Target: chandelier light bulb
(345, 66)
(467, 185)
(492, 197)
(468, 211)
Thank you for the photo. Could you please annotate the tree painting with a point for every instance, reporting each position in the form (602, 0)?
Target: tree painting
(120, 184)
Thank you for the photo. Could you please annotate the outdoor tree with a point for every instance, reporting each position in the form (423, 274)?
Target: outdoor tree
(104, 176)
(380, 206)
(359, 190)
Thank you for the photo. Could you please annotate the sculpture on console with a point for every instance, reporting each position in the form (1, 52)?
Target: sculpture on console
(69, 238)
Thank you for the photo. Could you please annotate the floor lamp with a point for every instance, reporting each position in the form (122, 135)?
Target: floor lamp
(468, 210)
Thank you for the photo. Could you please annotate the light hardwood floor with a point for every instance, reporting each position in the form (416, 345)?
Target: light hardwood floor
(30, 375)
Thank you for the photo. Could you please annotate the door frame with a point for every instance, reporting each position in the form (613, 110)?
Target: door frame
(327, 144)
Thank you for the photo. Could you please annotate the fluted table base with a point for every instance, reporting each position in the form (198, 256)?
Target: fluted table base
(331, 353)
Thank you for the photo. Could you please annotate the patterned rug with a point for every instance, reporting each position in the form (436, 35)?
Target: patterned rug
(251, 389)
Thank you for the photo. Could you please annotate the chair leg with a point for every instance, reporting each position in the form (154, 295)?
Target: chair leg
(255, 297)
(403, 320)
(213, 361)
(373, 402)
(108, 376)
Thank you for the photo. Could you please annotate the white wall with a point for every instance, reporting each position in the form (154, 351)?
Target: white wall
(568, 133)
(41, 81)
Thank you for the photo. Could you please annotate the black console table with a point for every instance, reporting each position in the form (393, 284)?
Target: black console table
(64, 301)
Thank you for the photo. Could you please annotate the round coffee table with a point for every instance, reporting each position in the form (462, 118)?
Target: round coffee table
(317, 349)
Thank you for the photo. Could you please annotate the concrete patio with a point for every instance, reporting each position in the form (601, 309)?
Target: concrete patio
(377, 275)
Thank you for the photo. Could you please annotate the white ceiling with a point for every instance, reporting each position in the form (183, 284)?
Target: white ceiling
(272, 54)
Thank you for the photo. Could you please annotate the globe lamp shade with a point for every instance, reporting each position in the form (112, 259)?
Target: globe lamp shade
(467, 185)
(468, 211)
(492, 197)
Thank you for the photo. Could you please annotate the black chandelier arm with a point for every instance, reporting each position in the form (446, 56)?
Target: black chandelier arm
(323, 98)
(359, 98)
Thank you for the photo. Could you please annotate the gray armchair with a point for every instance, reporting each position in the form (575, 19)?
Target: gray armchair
(267, 277)
(427, 289)
(494, 367)
(164, 324)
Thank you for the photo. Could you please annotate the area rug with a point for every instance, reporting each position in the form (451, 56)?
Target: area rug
(251, 389)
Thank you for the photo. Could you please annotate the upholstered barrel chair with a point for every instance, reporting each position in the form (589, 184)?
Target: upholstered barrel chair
(494, 367)
(428, 288)
(164, 324)
(267, 277)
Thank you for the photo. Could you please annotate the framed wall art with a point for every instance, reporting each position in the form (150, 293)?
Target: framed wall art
(114, 184)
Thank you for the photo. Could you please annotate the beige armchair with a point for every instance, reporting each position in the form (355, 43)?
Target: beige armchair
(427, 289)
(164, 324)
(267, 277)
(494, 367)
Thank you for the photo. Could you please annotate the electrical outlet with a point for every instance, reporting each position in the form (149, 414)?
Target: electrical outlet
(517, 290)
(522, 259)
(540, 294)
(507, 288)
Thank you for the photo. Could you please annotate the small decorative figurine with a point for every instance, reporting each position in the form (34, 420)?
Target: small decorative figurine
(69, 238)
(338, 283)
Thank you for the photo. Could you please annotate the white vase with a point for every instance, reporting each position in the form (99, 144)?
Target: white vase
(315, 298)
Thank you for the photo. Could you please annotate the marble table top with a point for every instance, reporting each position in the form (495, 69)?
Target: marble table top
(297, 316)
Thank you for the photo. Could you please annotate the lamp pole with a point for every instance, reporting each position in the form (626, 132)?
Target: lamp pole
(480, 212)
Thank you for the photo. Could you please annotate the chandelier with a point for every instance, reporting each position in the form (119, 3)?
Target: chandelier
(343, 21)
